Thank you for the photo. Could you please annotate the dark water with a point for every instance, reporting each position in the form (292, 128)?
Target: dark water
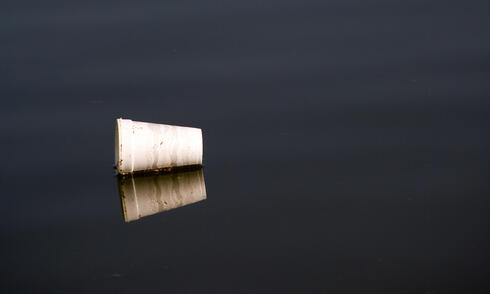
(346, 145)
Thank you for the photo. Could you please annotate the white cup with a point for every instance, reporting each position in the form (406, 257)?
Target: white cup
(142, 146)
(145, 195)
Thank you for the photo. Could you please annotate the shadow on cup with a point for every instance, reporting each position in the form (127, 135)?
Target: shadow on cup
(144, 195)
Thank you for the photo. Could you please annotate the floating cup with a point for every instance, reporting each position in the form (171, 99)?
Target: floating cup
(142, 146)
(145, 195)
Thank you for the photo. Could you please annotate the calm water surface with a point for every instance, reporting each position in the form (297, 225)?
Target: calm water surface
(346, 146)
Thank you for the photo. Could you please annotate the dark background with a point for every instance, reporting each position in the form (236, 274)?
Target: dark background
(346, 145)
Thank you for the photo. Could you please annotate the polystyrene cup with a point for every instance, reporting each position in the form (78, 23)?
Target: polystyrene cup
(142, 146)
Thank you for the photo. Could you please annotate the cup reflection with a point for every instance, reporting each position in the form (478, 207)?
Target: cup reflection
(150, 194)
